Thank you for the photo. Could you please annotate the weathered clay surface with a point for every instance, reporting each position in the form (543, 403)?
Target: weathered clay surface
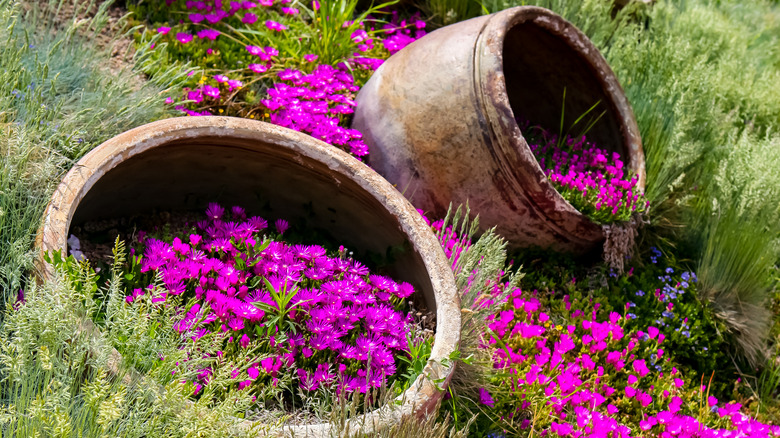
(439, 119)
(188, 162)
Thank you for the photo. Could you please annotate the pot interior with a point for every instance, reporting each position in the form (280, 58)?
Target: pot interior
(267, 180)
(538, 65)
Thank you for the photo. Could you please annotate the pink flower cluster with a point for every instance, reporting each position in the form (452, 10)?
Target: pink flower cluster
(344, 325)
(313, 103)
(591, 179)
(590, 378)
(317, 103)
(211, 12)
(402, 32)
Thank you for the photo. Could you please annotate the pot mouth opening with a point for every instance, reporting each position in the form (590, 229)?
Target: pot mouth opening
(541, 62)
(266, 181)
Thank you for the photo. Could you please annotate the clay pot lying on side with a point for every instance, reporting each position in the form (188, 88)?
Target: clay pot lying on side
(439, 119)
(185, 163)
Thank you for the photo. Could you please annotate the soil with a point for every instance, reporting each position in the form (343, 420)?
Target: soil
(110, 38)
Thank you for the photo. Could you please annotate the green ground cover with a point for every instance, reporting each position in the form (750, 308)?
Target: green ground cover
(702, 77)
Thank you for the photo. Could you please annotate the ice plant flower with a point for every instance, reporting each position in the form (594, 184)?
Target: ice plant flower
(353, 326)
(312, 103)
(249, 18)
(595, 181)
(258, 68)
(212, 92)
(210, 34)
(183, 37)
(274, 25)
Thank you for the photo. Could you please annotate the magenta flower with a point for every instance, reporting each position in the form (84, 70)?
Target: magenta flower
(281, 226)
(211, 34)
(214, 211)
(310, 57)
(258, 68)
(196, 18)
(249, 18)
(163, 30)
(215, 18)
(274, 25)
(212, 92)
(641, 368)
(346, 310)
(183, 37)
(290, 11)
(257, 51)
(195, 96)
(485, 398)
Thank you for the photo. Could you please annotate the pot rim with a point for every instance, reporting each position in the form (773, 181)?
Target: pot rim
(425, 392)
(511, 147)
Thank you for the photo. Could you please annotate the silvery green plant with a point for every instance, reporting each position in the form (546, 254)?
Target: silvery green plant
(57, 101)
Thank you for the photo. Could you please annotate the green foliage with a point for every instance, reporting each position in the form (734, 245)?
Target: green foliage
(484, 279)
(446, 12)
(278, 314)
(740, 239)
(419, 352)
(702, 79)
(666, 297)
(62, 377)
(57, 101)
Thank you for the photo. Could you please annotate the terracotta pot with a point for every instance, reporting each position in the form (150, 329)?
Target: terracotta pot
(439, 119)
(184, 163)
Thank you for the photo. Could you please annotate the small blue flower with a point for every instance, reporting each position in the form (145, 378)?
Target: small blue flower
(640, 293)
(686, 333)
(669, 270)
(631, 316)
(668, 314)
